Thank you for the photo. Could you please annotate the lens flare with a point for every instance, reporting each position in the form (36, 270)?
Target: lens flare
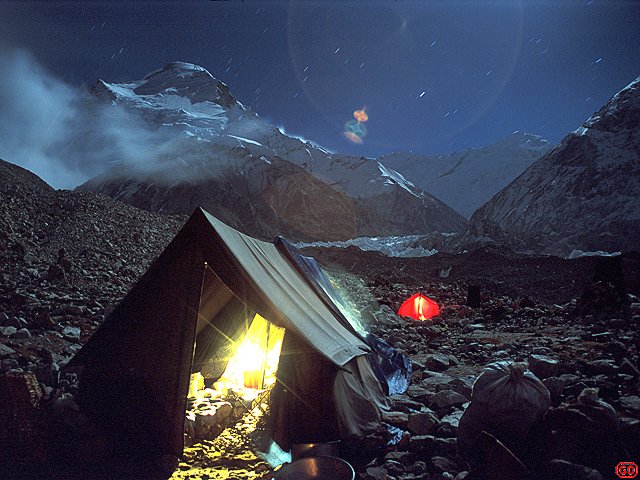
(352, 137)
(354, 130)
(361, 115)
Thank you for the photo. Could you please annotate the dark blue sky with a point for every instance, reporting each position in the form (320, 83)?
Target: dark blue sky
(433, 76)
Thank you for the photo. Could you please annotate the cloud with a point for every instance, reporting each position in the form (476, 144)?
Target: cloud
(62, 133)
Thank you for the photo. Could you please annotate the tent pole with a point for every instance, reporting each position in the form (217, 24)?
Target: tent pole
(266, 355)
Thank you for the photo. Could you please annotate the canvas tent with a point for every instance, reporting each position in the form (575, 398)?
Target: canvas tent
(190, 310)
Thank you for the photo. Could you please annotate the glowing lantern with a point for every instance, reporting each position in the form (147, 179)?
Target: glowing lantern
(255, 362)
(419, 307)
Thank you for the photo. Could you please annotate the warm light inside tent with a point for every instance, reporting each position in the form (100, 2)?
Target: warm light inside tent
(419, 307)
(255, 362)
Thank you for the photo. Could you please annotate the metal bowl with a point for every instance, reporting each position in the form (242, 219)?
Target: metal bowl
(317, 468)
(301, 450)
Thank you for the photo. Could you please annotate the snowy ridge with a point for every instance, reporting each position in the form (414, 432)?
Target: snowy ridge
(625, 100)
(246, 140)
(600, 253)
(395, 178)
(395, 246)
(478, 172)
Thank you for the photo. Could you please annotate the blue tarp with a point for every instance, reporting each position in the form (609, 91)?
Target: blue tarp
(391, 367)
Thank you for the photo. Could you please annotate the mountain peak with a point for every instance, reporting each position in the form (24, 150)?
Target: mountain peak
(186, 80)
(621, 112)
(180, 95)
(181, 69)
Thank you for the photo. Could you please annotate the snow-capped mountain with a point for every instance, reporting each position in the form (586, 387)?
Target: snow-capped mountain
(466, 180)
(181, 95)
(395, 199)
(213, 134)
(584, 194)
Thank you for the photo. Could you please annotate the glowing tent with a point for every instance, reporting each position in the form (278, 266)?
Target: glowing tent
(212, 294)
(419, 307)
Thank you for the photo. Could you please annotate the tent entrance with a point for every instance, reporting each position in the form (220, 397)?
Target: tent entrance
(255, 362)
(235, 347)
(236, 355)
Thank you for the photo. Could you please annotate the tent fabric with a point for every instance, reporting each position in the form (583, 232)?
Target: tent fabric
(391, 368)
(134, 363)
(319, 282)
(298, 307)
(223, 320)
(300, 412)
(135, 369)
(419, 307)
(359, 398)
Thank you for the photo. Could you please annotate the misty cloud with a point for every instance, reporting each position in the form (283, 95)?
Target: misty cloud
(63, 134)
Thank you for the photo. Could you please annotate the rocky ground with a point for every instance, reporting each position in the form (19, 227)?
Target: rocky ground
(68, 257)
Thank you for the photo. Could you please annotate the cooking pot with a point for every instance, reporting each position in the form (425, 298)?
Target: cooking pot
(317, 468)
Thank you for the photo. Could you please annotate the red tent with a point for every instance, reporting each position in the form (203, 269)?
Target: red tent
(419, 307)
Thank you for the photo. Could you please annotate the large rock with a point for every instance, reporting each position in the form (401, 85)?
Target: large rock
(445, 447)
(376, 473)
(23, 333)
(443, 464)
(396, 419)
(437, 362)
(6, 351)
(542, 366)
(422, 423)
(452, 421)
(8, 331)
(447, 398)
(419, 393)
(48, 373)
(631, 403)
(71, 333)
(210, 421)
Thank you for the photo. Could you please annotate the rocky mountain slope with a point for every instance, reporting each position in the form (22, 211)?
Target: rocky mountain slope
(466, 180)
(214, 141)
(262, 197)
(67, 256)
(584, 194)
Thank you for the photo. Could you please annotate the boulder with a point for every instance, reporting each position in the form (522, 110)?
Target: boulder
(631, 403)
(422, 423)
(55, 273)
(437, 362)
(542, 366)
(23, 333)
(48, 373)
(445, 447)
(8, 331)
(443, 464)
(12, 322)
(452, 420)
(71, 333)
(376, 473)
(447, 398)
(6, 351)
(396, 419)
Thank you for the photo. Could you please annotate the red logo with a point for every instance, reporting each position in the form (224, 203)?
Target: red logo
(627, 470)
